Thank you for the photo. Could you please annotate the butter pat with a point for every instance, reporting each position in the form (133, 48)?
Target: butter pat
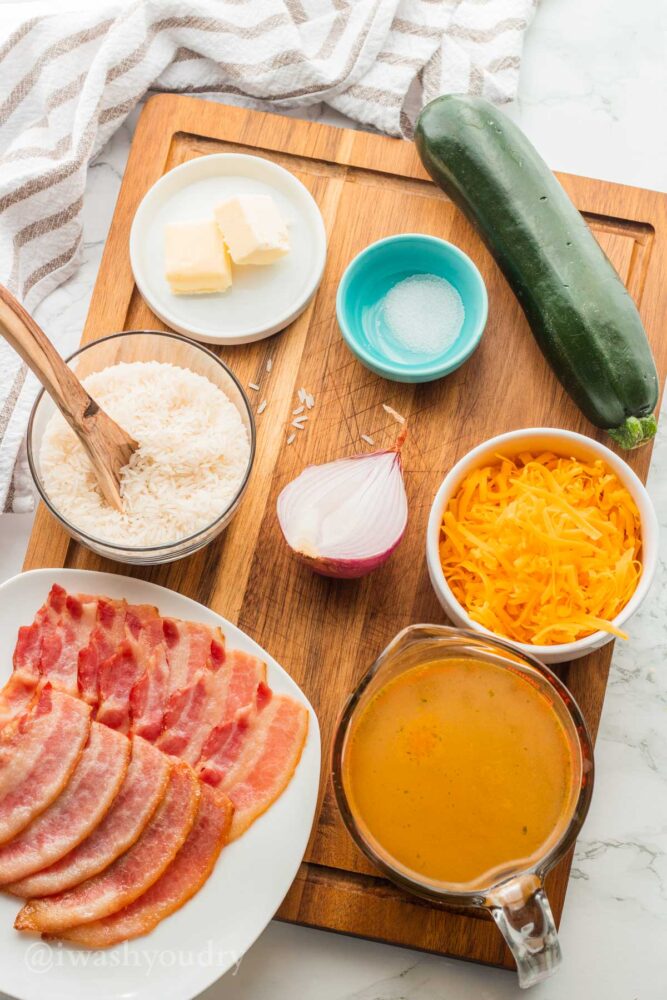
(253, 229)
(196, 259)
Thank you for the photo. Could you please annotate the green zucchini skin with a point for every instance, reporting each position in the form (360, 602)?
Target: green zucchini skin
(580, 313)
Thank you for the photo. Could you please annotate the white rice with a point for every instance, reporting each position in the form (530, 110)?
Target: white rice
(393, 413)
(193, 454)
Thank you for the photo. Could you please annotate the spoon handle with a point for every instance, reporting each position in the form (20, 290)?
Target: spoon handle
(28, 340)
(108, 446)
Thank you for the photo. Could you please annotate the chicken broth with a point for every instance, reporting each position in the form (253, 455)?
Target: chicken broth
(459, 769)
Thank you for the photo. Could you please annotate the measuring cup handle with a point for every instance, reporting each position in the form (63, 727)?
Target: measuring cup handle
(521, 910)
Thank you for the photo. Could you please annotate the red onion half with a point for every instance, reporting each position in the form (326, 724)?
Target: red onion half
(345, 518)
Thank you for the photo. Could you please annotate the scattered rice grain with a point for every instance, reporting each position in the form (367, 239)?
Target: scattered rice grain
(291, 438)
(298, 410)
(261, 407)
(367, 439)
(393, 413)
(269, 366)
(253, 385)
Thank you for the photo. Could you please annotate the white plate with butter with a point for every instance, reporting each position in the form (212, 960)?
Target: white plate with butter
(262, 298)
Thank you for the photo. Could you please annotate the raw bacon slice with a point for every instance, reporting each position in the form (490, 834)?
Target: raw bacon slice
(36, 643)
(188, 654)
(117, 676)
(106, 636)
(258, 759)
(14, 765)
(66, 624)
(191, 647)
(15, 699)
(28, 651)
(183, 878)
(20, 688)
(132, 874)
(148, 697)
(225, 742)
(77, 810)
(139, 663)
(185, 713)
(213, 700)
(144, 625)
(140, 795)
(38, 754)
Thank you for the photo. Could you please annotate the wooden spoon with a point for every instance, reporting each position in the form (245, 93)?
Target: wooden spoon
(108, 446)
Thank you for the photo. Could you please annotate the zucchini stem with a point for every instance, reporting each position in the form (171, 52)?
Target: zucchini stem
(634, 432)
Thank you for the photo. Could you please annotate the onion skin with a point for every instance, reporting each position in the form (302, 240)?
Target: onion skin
(346, 569)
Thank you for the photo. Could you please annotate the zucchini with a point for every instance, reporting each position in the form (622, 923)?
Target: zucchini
(580, 313)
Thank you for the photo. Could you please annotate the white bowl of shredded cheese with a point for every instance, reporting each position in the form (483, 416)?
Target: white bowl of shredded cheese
(196, 437)
(569, 445)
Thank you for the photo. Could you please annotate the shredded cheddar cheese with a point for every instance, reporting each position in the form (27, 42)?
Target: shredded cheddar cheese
(542, 549)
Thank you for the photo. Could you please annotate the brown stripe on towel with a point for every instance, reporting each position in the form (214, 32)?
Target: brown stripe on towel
(487, 34)
(406, 124)
(124, 108)
(37, 184)
(184, 54)
(66, 93)
(396, 59)
(385, 97)
(475, 81)
(239, 71)
(28, 152)
(52, 265)
(420, 30)
(12, 399)
(18, 35)
(64, 45)
(48, 223)
(506, 62)
(9, 501)
(434, 67)
(45, 225)
(296, 10)
(199, 24)
(234, 70)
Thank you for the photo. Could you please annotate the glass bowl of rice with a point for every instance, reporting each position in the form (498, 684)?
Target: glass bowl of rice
(196, 435)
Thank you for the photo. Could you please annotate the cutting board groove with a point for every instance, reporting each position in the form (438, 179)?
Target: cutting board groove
(324, 632)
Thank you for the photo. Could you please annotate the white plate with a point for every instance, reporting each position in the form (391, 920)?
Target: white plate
(211, 933)
(262, 299)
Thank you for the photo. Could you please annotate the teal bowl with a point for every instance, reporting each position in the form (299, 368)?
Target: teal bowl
(362, 316)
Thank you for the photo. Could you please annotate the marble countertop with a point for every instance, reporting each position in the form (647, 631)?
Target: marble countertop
(593, 90)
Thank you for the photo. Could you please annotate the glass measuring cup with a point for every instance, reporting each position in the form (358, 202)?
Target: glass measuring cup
(514, 897)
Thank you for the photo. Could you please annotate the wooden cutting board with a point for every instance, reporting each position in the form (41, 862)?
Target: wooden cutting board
(326, 633)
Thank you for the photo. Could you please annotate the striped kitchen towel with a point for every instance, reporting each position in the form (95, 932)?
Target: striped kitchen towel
(67, 82)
